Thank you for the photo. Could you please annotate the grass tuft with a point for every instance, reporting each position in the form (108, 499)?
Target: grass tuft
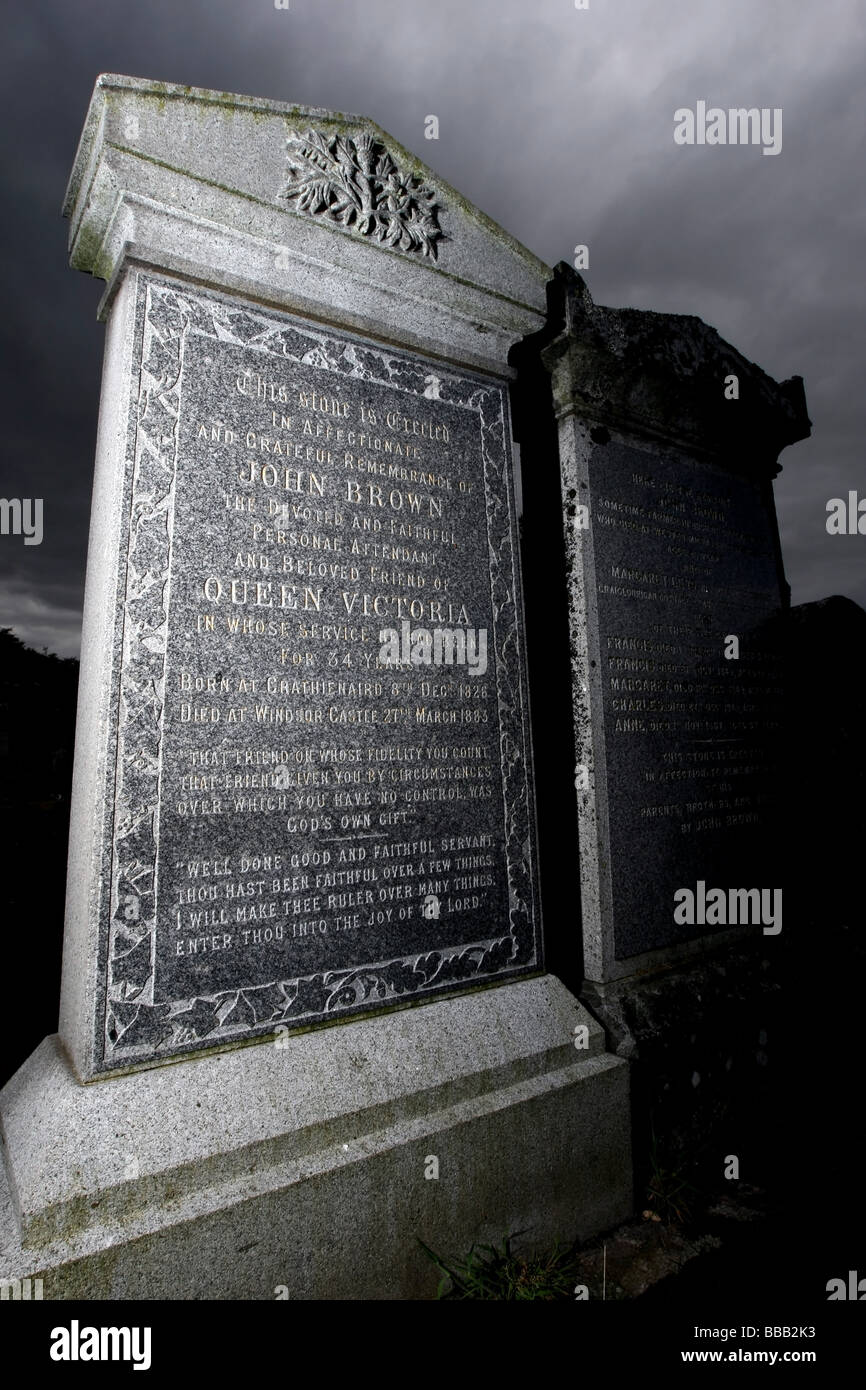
(490, 1272)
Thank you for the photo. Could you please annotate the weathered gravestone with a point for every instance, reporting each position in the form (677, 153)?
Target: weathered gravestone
(668, 444)
(302, 791)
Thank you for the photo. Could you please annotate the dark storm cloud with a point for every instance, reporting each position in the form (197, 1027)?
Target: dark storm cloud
(557, 122)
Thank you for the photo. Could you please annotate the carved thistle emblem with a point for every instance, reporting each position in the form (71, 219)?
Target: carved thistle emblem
(356, 182)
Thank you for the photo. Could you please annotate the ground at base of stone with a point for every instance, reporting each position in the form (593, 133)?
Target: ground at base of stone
(742, 1254)
(646, 1255)
(739, 1252)
(619, 1265)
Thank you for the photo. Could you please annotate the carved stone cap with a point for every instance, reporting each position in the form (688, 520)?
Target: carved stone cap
(308, 209)
(663, 377)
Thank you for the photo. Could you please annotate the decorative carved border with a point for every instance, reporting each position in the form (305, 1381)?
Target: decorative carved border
(135, 1025)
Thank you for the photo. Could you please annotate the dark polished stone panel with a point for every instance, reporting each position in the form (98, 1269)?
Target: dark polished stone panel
(684, 558)
(323, 798)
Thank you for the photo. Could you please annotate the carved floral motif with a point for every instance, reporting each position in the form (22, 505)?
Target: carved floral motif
(355, 182)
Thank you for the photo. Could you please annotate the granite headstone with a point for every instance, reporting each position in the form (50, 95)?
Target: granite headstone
(676, 591)
(302, 791)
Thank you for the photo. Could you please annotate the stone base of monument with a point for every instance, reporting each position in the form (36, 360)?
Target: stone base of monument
(309, 1167)
(701, 1038)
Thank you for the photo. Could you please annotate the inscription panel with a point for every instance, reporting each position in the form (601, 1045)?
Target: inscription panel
(685, 558)
(322, 797)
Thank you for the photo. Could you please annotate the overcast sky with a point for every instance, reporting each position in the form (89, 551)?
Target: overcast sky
(557, 122)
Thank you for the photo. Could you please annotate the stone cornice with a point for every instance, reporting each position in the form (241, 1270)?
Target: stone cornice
(310, 210)
(662, 377)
